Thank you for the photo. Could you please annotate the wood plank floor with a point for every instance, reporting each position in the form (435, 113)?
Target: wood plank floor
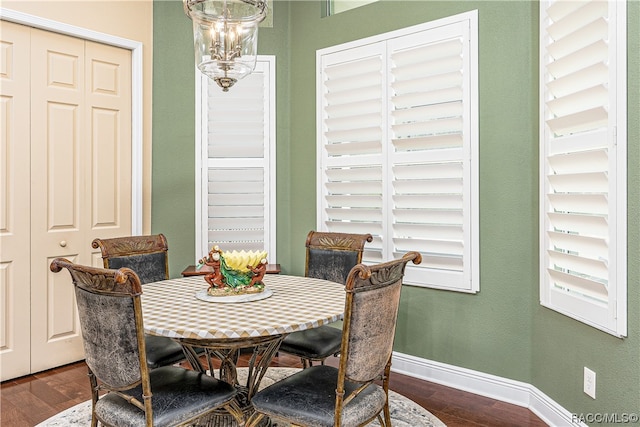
(30, 400)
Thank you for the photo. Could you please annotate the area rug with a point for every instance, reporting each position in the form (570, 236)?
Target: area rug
(404, 412)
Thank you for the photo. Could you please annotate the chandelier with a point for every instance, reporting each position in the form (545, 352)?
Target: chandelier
(225, 37)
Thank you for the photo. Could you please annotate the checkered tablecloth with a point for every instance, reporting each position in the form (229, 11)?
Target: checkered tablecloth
(171, 309)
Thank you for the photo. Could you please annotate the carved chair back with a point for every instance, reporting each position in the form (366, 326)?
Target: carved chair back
(331, 256)
(146, 255)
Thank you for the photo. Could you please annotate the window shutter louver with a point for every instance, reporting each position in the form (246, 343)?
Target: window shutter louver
(580, 161)
(395, 131)
(236, 122)
(239, 188)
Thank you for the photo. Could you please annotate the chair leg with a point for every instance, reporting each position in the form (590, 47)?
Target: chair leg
(387, 415)
(94, 397)
(385, 387)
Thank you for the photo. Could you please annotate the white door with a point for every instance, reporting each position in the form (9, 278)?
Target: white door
(79, 181)
(14, 203)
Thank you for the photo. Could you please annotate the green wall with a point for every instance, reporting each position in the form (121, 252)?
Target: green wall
(502, 330)
(173, 167)
(173, 146)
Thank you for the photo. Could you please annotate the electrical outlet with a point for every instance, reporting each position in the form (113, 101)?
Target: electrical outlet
(590, 382)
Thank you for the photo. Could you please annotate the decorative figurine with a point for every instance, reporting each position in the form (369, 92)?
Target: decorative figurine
(234, 273)
(215, 278)
(258, 272)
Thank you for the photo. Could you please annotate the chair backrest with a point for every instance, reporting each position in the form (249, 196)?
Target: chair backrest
(147, 255)
(110, 314)
(331, 256)
(371, 311)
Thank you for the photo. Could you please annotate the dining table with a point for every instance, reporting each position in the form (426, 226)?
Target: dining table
(181, 309)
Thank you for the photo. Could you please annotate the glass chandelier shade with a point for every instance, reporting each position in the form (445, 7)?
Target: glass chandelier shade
(225, 35)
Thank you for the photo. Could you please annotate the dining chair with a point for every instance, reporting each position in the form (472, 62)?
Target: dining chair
(357, 392)
(124, 390)
(148, 256)
(329, 256)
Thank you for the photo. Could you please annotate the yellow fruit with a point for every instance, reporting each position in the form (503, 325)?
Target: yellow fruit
(242, 261)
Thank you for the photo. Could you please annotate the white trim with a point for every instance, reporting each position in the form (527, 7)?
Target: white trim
(474, 151)
(272, 165)
(470, 15)
(621, 168)
(136, 92)
(498, 388)
(201, 176)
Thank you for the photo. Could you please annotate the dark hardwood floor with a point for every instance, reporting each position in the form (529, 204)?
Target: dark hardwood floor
(29, 400)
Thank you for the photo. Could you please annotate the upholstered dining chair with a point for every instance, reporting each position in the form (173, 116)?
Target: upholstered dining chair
(148, 256)
(357, 392)
(124, 391)
(329, 256)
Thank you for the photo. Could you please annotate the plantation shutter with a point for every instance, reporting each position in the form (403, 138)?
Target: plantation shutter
(239, 188)
(430, 160)
(397, 125)
(583, 164)
(352, 137)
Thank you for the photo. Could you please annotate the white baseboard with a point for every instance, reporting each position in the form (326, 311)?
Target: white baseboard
(503, 389)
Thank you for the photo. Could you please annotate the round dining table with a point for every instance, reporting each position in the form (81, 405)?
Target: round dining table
(223, 326)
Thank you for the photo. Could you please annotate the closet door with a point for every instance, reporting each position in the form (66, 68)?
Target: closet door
(65, 180)
(58, 195)
(81, 126)
(14, 201)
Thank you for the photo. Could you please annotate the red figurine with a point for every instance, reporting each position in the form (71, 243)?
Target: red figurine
(214, 279)
(258, 272)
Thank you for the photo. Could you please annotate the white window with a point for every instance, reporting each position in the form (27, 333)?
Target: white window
(583, 162)
(398, 147)
(337, 6)
(235, 162)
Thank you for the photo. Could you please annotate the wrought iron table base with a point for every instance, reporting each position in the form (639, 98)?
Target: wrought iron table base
(228, 351)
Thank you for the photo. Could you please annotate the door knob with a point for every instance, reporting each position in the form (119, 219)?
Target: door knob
(63, 243)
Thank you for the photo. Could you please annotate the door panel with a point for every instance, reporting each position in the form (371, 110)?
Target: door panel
(108, 95)
(14, 201)
(62, 323)
(58, 194)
